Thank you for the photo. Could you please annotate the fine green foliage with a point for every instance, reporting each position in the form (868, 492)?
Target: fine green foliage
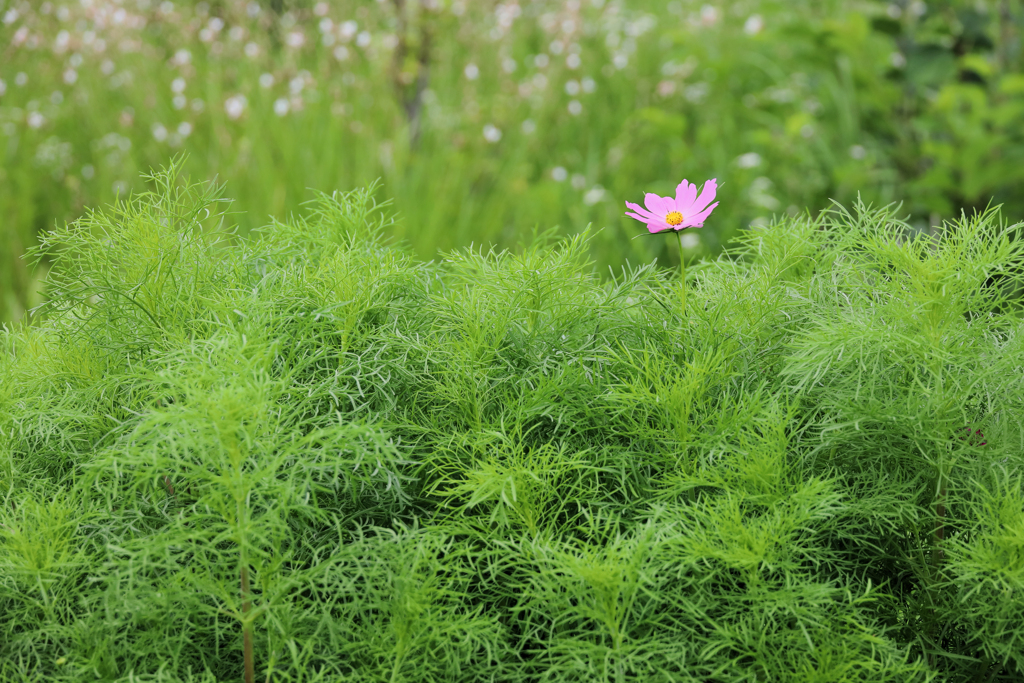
(308, 451)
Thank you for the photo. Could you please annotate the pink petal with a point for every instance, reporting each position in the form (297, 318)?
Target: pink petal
(685, 194)
(642, 219)
(707, 195)
(642, 211)
(659, 206)
(658, 226)
(697, 219)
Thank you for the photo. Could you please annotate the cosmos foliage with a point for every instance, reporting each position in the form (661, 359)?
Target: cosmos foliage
(497, 466)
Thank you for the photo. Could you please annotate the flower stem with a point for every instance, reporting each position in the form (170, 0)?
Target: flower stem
(682, 270)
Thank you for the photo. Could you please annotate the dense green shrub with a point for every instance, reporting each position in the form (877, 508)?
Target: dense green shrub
(308, 445)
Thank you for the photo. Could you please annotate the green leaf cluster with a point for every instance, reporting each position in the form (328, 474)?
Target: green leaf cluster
(500, 466)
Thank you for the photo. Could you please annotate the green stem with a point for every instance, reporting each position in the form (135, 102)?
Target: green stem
(247, 654)
(936, 559)
(682, 270)
(940, 522)
(242, 518)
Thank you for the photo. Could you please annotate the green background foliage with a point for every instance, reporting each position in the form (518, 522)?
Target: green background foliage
(498, 466)
(789, 104)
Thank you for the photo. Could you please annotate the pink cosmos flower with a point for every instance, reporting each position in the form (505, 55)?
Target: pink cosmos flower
(686, 210)
(973, 437)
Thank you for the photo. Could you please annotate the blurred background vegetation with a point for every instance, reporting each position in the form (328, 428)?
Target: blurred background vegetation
(487, 120)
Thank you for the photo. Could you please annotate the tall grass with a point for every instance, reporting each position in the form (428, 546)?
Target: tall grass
(307, 455)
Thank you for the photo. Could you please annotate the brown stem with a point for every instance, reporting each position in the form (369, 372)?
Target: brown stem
(247, 656)
(416, 103)
(412, 102)
(402, 48)
(938, 554)
(1005, 51)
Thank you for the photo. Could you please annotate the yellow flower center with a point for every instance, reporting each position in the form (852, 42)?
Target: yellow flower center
(674, 218)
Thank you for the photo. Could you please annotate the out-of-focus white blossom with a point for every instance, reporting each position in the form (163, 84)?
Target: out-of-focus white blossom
(492, 133)
(60, 44)
(748, 160)
(593, 195)
(234, 106)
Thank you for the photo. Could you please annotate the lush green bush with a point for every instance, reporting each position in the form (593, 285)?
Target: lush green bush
(485, 119)
(309, 446)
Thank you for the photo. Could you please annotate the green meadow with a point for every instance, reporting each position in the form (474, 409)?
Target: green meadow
(330, 355)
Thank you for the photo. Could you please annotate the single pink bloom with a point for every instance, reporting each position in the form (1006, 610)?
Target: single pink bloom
(687, 210)
(973, 437)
